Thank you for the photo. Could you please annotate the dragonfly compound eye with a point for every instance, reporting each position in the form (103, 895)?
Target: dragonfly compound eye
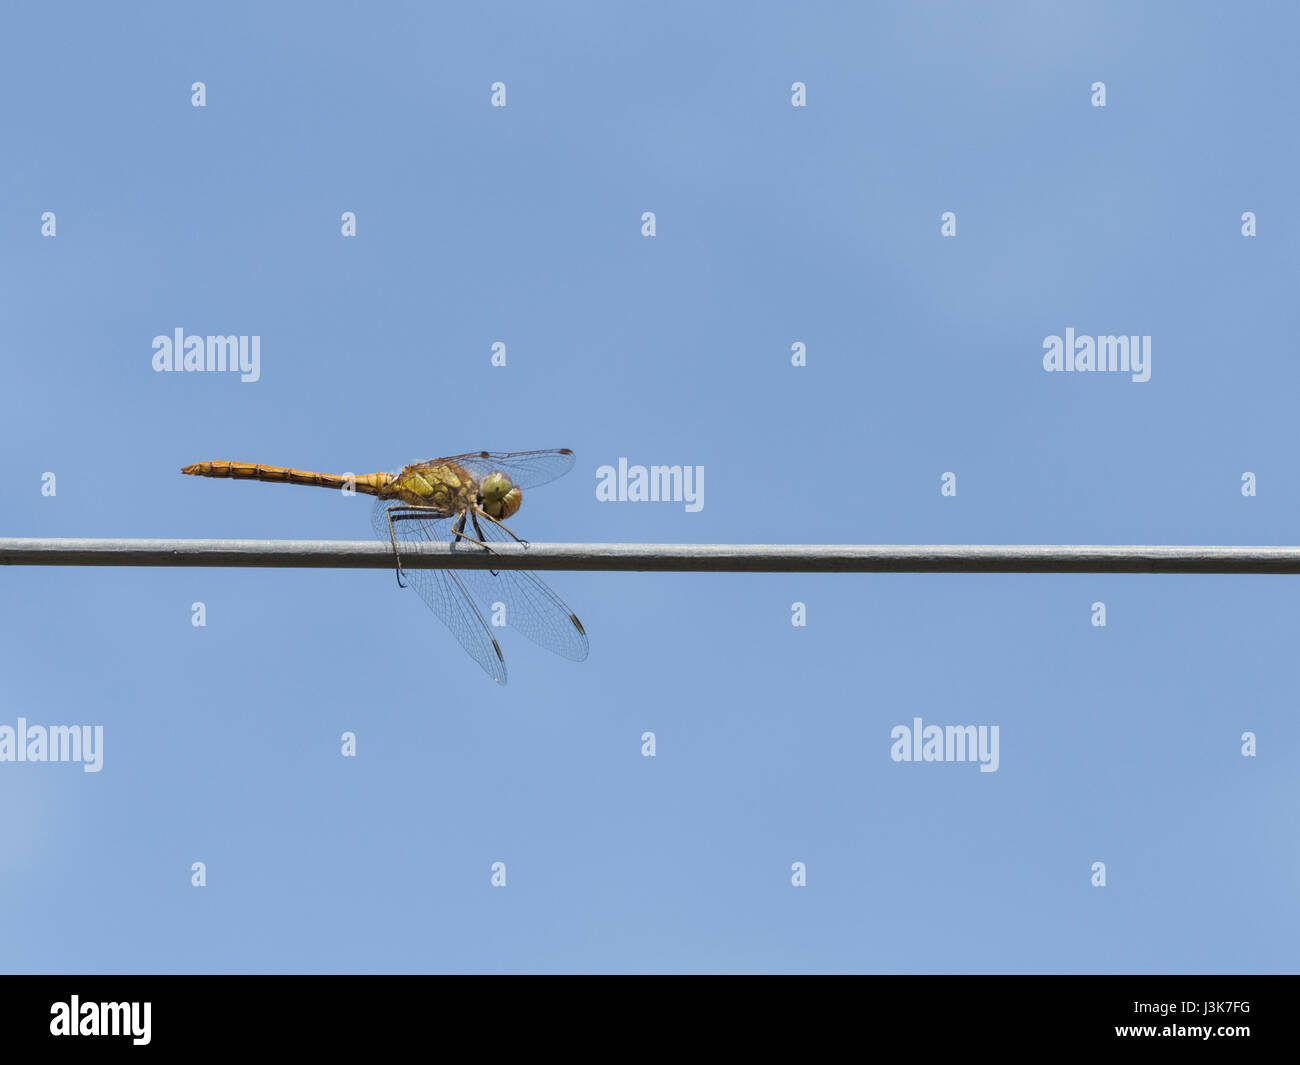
(500, 497)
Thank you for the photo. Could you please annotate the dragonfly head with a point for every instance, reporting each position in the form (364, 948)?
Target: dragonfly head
(499, 496)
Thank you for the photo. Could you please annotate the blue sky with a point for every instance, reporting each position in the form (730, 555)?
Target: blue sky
(775, 225)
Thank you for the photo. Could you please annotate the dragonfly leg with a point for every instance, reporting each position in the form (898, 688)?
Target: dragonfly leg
(458, 530)
(399, 512)
(479, 510)
(392, 537)
(474, 514)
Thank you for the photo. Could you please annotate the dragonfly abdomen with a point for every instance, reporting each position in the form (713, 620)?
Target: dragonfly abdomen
(371, 484)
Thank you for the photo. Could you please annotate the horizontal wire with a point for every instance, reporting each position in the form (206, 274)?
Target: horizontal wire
(716, 558)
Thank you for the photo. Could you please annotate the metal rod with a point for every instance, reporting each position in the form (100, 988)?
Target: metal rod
(718, 558)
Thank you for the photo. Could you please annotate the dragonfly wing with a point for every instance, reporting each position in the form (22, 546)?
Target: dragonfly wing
(443, 590)
(530, 606)
(527, 469)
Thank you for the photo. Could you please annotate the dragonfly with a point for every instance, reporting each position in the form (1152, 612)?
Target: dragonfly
(462, 499)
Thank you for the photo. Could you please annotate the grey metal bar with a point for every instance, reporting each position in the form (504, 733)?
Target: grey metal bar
(719, 558)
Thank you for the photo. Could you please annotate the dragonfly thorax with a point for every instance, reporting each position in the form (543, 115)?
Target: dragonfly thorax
(498, 496)
(445, 487)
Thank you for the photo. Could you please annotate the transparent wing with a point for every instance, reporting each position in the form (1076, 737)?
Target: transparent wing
(527, 469)
(443, 590)
(530, 606)
(461, 596)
